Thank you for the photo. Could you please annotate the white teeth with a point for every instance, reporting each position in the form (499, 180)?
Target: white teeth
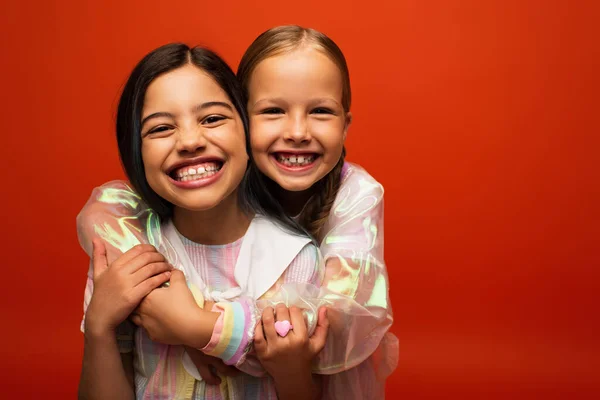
(296, 160)
(192, 174)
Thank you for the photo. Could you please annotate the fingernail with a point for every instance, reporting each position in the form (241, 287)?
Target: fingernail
(168, 273)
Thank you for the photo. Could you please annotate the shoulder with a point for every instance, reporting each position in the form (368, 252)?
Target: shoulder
(115, 192)
(113, 210)
(357, 179)
(358, 189)
(114, 197)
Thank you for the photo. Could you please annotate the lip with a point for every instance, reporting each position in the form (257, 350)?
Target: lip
(198, 183)
(297, 170)
(193, 161)
(295, 152)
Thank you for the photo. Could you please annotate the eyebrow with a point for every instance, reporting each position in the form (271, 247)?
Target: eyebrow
(325, 100)
(209, 104)
(279, 100)
(269, 100)
(199, 107)
(158, 115)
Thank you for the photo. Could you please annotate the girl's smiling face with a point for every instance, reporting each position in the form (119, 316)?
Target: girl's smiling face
(193, 140)
(297, 122)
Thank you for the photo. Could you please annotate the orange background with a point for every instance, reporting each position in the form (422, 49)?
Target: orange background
(481, 119)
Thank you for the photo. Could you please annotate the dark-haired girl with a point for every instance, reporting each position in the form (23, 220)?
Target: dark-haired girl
(193, 219)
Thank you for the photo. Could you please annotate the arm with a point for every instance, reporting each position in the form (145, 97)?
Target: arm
(115, 292)
(224, 332)
(355, 286)
(116, 215)
(105, 373)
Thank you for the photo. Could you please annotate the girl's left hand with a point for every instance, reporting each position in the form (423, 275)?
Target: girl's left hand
(169, 314)
(291, 356)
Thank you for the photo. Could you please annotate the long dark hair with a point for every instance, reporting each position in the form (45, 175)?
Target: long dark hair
(253, 195)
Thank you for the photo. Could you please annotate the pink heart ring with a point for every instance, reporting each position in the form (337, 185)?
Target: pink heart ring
(283, 327)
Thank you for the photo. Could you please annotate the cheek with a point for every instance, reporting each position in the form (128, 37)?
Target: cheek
(151, 156)
(233, 144)
(330, 134)
(264, 133)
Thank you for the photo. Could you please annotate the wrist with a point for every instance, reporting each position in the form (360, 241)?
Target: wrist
(95, 328)
(96, 333)
(201, 328)
(297, 386)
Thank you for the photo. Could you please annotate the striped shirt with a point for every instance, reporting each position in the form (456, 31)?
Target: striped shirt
(159, 373)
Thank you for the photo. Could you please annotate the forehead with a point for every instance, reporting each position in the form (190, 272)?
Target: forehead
(304, 69)
(188, 84)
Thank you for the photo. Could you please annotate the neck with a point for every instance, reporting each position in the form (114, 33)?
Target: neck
(293, 202)
(222, 224)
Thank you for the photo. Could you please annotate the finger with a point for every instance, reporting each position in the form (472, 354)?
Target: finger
(207, 374)
(268, 323)
(202, 363)
(177, 278)
(148, 271)
(144, 288)
(134, 252)
(99, 260)
(136, 319)
(224, 369)
(319, 337)
(297, 320)
(260, 343)
(144, 259)
(282, 313)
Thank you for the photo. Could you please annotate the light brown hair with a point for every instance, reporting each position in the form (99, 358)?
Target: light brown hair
(284, 39)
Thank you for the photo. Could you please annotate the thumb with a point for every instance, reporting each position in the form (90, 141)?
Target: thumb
(177, 278)
(99, 260)
(317, 340)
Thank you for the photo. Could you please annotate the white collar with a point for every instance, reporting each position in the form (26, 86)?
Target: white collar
(266, 252)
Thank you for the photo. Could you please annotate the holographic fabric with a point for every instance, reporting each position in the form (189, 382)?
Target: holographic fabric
(360, 352)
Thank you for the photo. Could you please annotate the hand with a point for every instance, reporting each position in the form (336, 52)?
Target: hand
(208, 305)
(171, 315)
(286, 357)
(118, 289)
(209, 366)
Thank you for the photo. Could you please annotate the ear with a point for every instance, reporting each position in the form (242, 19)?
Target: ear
(347, 123)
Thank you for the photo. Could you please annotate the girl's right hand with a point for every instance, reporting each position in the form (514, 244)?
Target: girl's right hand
(289, 356)
(119, 288)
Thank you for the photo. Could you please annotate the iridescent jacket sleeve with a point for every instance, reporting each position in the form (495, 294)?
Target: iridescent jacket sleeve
(354, 288)
(117, 216)
(356, 281)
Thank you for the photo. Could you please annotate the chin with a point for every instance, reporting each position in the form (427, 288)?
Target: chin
(296, 186)
(203, 204)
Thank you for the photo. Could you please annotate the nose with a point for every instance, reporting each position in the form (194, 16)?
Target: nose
(190, 140)
(297, 130)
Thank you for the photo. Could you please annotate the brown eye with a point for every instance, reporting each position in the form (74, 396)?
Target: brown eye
(272, 111)
(321, 110)
(161, 128)
(212, 119)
